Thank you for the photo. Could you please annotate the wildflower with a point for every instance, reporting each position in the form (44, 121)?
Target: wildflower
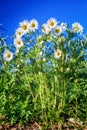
(61, 39)
(8, 55)
(19, 32)
(58, 54)
(18, 42)
(25, 26)
(77, 27)
(52, 23)
(58, 30)
(49, 38)
(45, 28)
(33, 25)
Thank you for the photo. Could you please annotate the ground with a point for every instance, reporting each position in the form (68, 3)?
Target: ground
(36, 126)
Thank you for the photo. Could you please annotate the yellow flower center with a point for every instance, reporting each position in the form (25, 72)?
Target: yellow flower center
(8, 55)
(19, 33)
(77, 28)
(51, 23)
(33, 25)
(49, 38)
(19, 42)
(58, 53)
(57, 30)
(24, 27)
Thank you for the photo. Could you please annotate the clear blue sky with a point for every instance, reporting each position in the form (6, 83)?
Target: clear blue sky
(14, 11)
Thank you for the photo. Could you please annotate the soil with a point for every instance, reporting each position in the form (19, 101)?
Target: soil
(36, 126)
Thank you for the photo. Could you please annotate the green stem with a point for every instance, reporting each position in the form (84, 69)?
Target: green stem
(26, 77)
(41, 91)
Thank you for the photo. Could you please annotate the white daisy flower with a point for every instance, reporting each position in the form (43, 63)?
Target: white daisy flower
(59, 40)
(19, 32)
(58, 54)
(45, 28)
(25, 26)
(8, 55)
(58, 30)
(52, 23)
(18, 42)
(49, 38)
(77, 27)
(33, 25)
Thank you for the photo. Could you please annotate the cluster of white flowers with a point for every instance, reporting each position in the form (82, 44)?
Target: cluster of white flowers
(51, 27)
(24, 28)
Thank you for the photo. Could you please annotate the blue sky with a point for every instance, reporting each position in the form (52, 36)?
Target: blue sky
(14, 11)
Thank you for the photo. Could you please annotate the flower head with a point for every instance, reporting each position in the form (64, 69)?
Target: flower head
(49, 38)
(52, 23)
(77, 27)
(19, 32)
(58, 54)
(25, 26)
(8, 55)
(58, 30)
(18, 42)
(33, 25)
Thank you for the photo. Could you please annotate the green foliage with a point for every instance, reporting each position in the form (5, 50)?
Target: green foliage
(43, 91)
